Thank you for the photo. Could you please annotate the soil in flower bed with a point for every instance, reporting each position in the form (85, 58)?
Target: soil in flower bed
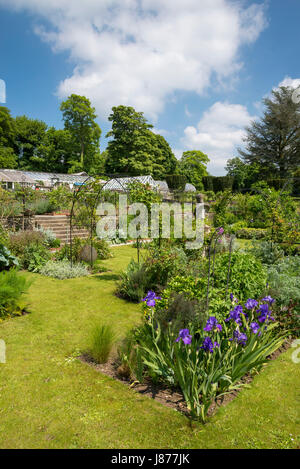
(166, 396)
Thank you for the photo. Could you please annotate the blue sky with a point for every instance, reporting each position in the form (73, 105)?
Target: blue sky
(197, 69)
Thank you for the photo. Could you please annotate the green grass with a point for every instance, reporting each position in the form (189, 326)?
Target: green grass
(49, 399)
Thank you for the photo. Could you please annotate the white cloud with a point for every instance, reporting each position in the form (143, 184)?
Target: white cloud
(290, 82)
(219, 132)
(139, 52)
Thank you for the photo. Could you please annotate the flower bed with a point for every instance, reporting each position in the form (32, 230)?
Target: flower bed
(205, 362)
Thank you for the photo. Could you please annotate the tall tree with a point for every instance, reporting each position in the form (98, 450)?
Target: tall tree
(244, 174)
(79, 119)
(7, 139)
(55, 152)
(30, 138)
(134, 148)
(193, 166)
(274, 141)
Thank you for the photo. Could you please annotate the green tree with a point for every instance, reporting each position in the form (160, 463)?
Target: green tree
(7, 139)
(274, 141)
(193, 166)
(79, 119)
(134, 148)
(54, 153)
(244, 174)
(30, 138)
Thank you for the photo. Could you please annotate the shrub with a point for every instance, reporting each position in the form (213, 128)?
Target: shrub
(163, 264)
(248, 277)
(284, 283)
(64, 253)
(251, 233)
(102, 248)
(63, 270)
(102, 340)
(7, 259)
(12, 287)
(134, 282)
(50, 239)
(20, 240)
(267, 252)
(42, 206)
(34, 257)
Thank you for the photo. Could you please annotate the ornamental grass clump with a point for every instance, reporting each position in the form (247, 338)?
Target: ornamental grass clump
(206, 362)
(102, 340)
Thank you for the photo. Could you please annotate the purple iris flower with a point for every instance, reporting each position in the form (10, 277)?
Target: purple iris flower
(265, 313)
(208, 345)
(151, 298)
(185, 336)
(239, 337)
(221, 231)
(250, 304)
(235, 315)
(254, 327)
(269, 299)
(212, 324)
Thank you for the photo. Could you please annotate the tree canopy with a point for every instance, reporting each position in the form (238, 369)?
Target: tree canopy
(134, 149)
(193, 166)
(273, 142)
(79, 119)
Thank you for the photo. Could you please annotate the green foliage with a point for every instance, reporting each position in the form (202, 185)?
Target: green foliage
(273, 142)
(30, 136)
(176, 181)
(20, 240)
(251, 233)
(219, 209)
(193, 166)
(244, 174)
(102, 339)
(142, 193)
(284, 284)
(41, 206)
(248, 277)
(12, 287)
(35, 256)
(164, 264)
(50, 239)
(134, 149)
(60, 198)
(201, 375)
(65, 251)
(133, 282)
(79, 119)
(102, 248)
(7, 259)
(153, 274)
(7, 139)
(63, 270)
(217, 183)
(268, 252)
(8, 205)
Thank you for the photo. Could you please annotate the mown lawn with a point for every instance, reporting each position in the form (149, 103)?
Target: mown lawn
(49, 399)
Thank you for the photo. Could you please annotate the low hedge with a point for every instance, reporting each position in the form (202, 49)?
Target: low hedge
(251, 233)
